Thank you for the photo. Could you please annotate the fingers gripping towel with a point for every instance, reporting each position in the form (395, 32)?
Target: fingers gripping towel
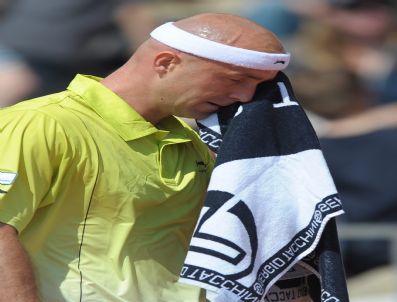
(268, 214)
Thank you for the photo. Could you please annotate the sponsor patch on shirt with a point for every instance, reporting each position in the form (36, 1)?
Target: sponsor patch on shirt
(201, 166)
(7, 178)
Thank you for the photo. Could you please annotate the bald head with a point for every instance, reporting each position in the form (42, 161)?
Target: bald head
(219, 37)
(192, 67)
(232, 30)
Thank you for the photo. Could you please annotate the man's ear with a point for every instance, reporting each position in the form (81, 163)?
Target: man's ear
(165, 62)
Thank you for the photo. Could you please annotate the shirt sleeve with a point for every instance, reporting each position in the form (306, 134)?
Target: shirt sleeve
(33, 147)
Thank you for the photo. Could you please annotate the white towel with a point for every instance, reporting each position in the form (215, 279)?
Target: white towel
(269, 199)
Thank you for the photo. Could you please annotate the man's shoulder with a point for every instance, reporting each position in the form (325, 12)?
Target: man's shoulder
(40, 104)
(45, 114)
(57, 106)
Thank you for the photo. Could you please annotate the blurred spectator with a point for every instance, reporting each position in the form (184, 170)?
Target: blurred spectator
(43, 45)
(371, 49)
(331, 93)
(359, 142)
(361, 153)
(366, 33)
(367, 40)
(358, 137)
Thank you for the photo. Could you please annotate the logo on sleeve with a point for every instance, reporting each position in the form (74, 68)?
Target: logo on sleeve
(7, 178)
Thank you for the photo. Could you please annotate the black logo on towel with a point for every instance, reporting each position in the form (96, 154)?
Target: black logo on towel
(201, 166)
(279, 62)
(212, 139)
(214, 242)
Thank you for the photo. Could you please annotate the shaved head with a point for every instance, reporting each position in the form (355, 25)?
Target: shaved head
(159, 80)
(221, 28)
(232, 30)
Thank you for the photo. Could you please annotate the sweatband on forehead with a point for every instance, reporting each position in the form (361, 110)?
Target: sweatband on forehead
(182, 40)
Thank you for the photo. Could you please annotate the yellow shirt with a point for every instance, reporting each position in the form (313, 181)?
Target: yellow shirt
(105, 203)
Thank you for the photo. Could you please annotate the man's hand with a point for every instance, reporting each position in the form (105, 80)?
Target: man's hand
(17, 282)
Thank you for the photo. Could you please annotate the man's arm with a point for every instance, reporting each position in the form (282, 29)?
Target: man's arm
(17, 281)
(377, 118)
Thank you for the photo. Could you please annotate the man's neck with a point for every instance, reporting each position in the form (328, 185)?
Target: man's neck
(135, 92)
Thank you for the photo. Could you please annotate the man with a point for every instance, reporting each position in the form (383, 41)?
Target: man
(101, 185)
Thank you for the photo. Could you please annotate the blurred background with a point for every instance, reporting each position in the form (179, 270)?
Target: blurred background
(343, 70)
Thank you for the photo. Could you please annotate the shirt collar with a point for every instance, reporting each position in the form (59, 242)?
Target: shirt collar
(128, 123)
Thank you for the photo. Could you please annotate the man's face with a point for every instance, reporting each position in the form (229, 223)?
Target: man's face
(200, 87)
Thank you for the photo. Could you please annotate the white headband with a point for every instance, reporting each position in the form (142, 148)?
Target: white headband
(177, 38)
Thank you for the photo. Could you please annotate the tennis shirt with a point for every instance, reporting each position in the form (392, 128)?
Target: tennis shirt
(105, 203)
